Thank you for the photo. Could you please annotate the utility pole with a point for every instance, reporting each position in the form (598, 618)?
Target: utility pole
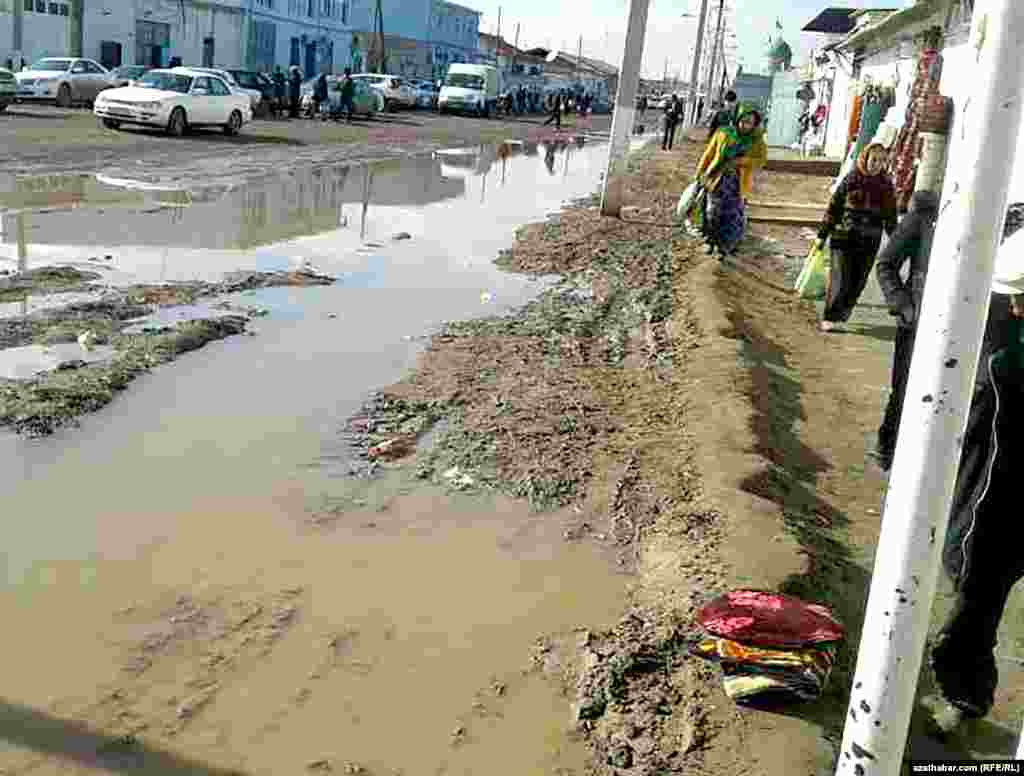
(712, 63)
(695, 72)
(579, 59)
(625, 107)
(515, 49)
(947, 352)
(497, 34)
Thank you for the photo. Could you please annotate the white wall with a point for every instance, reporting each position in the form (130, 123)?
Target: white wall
(6, 33)
(839, 114)
(110, 20)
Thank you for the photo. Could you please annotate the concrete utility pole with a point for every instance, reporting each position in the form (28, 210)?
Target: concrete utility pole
(713, 62)
(942, 376)
(695, 72)
(625, 107)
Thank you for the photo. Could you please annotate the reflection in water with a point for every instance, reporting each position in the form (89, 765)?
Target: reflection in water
(78, 217)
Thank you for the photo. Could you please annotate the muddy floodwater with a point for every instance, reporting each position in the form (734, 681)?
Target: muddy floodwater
(167, 578)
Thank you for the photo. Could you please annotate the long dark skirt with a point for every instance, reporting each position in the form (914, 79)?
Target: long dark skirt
(724, 219)
(853, 256)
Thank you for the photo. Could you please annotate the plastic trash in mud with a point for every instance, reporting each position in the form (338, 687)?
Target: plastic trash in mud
(402, 236)
(771, 647)
(87, 339)
(486, 297)
(394, 448)
(458, 479)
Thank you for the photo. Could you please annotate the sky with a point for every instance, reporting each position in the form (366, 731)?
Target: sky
(602, 23)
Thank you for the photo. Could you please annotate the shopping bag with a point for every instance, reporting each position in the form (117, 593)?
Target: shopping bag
(688, 199)
(813, 280)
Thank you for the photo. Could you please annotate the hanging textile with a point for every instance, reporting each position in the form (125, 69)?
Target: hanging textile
(854, 127)
(903, 167)
(870, 121)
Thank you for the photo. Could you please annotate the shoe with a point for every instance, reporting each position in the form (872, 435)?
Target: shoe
(967, 682)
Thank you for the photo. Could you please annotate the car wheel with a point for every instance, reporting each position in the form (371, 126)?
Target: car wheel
(389, 106)
(177, 124)
(3, 107)
(234, 124)
(111, 124)
(64, 96)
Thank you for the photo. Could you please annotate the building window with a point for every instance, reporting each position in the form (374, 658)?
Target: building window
(311, 9)
(344, 11)
(40, 6)
(30, 5)
(64, 10)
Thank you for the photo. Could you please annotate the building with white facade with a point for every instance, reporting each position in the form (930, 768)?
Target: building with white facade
(316, 35)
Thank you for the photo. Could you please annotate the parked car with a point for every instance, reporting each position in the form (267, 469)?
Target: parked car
(8, 88)
(255, 95)
(253, 81)
(396, 92)
(425, 93)
(365, 102)
(125, 75)
(62, 80)
(176, 99)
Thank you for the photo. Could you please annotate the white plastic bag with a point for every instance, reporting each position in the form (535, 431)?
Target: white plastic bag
(688, 199)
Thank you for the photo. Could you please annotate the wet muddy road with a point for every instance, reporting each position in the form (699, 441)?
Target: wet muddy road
(168, 574)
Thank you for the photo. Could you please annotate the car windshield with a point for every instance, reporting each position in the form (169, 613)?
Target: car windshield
(130, 71)
(247, 80)
(167, 82)
(465, 81)
(57, 65)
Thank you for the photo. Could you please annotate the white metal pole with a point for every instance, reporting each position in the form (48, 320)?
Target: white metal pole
(941, 383)
(695, 72)
(1020, 747)
(625, 107)
(714, 51)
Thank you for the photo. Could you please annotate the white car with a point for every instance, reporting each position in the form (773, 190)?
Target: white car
(397, 93)
(255, 95)
(175, 100)
(62, 80)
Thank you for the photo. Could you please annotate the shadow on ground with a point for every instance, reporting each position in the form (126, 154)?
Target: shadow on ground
(76, 743)
(790, 479)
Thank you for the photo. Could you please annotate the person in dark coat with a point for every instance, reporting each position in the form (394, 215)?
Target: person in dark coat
(862, 207)
(726, 117)
(319, 93)
(280, 88)
(673, 114)
(911, 244)
(556, 111)
(294, 90)
(981, 553)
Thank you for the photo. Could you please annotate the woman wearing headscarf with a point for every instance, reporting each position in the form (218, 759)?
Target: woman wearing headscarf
(863, 205)
(726, 172)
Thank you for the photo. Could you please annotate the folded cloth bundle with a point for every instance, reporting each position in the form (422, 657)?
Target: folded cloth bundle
(755, 673)
(770, 646)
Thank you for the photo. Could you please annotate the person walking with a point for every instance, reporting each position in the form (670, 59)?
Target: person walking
(673, 113)
(556, 111)
(348, 94)
(294, 90)
(911, 245)
(981, 550)
(319, 95)
(724, 117)
(280, 87)
(641, 105)
(720, 174)
(863, 206)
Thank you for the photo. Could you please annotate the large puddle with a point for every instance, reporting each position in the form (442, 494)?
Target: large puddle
(196, 486)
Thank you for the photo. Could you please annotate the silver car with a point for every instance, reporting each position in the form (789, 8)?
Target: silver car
(62, 80)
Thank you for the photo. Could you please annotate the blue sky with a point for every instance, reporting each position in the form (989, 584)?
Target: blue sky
(554, 24)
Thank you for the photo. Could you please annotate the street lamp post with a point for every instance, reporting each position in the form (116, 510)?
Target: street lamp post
(695, 72)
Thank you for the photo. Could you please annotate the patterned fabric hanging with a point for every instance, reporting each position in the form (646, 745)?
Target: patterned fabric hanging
(904, 159)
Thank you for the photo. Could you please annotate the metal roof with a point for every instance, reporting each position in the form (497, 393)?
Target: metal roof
(833, 21)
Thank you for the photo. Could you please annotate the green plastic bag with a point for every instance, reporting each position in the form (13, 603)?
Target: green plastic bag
(813, 280)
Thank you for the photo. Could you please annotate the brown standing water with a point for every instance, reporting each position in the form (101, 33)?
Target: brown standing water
(168, 575)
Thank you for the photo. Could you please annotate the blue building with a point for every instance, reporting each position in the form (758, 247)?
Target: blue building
(421, 37)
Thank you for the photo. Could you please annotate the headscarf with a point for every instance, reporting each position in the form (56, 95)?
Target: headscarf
(740, 143)
(870, 192)
(862, 158)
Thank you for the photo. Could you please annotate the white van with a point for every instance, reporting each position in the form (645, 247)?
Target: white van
(470, 89)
